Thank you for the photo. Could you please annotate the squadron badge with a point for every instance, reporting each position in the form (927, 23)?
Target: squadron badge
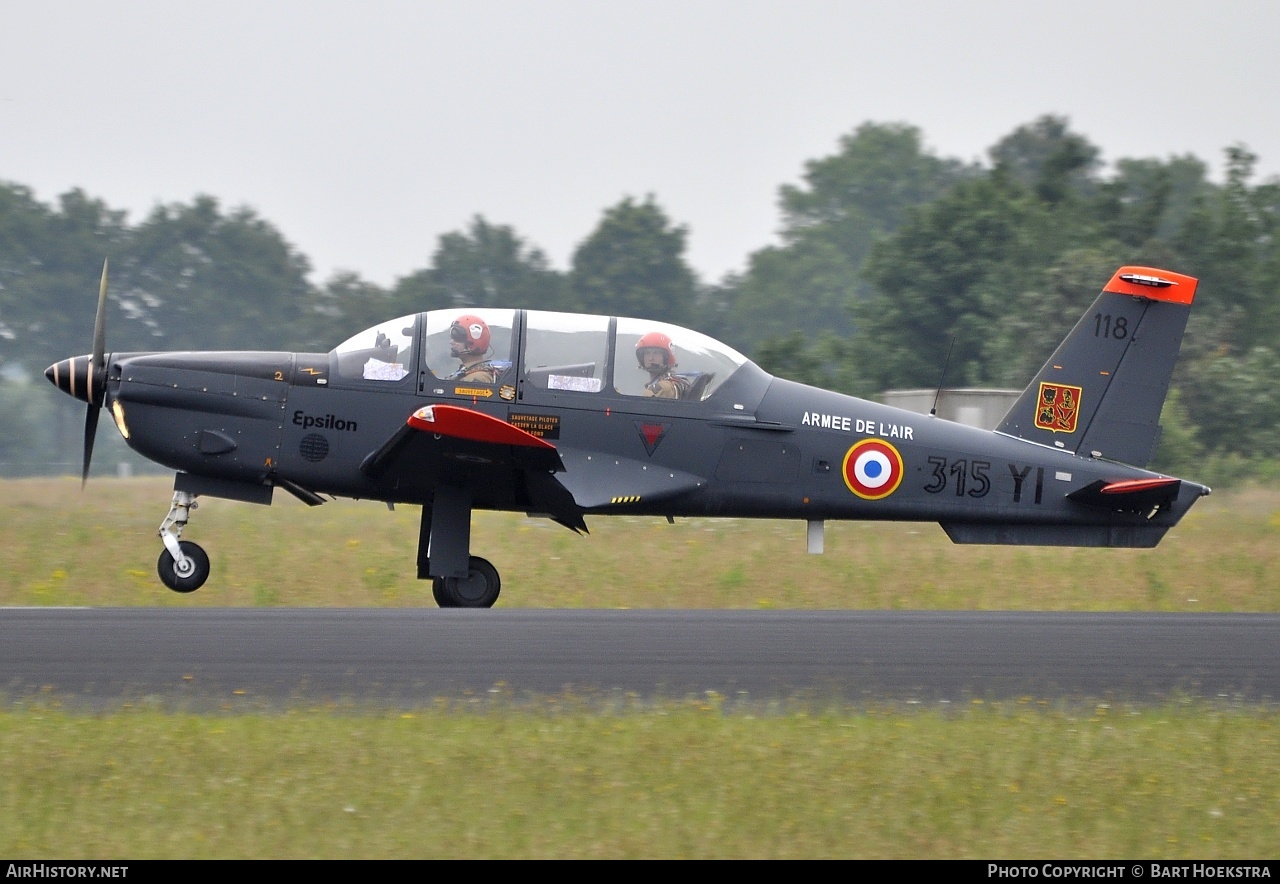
(1058, 408)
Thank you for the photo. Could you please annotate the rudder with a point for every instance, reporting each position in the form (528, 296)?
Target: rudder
(1101, 392)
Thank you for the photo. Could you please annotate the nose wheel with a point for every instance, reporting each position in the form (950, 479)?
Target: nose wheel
(186, 574)
(183, 566)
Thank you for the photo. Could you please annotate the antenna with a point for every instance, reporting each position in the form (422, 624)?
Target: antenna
(934, 411)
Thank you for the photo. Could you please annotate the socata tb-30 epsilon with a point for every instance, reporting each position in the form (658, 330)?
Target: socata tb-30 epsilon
(570, 415)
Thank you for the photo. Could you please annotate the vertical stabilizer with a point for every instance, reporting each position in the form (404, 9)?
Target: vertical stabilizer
(1101, 392)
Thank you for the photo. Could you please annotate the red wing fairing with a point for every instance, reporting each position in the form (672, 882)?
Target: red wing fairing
(474, 426)
(502, 466)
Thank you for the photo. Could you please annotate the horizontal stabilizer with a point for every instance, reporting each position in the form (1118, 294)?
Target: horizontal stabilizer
(1129, 496)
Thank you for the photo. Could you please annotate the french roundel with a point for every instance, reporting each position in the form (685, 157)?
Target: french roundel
(873, 469)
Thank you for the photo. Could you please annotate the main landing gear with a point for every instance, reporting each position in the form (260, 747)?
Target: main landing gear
(479, 589)
(183, 566)
(458, 579)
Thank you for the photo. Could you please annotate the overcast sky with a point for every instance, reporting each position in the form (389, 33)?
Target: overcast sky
(363, 131)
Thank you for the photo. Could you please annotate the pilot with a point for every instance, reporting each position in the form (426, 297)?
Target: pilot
(469, 344)
(655, 355)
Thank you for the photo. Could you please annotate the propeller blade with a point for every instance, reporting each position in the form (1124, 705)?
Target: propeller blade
(90, 432)
(100, 326)
(96, 375)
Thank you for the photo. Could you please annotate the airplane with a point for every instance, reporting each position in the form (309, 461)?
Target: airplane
(569, 415)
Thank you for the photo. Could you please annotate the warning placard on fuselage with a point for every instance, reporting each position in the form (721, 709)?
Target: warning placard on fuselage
(544, 426)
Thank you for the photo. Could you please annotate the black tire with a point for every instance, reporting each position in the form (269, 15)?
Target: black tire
(438, 592)
(191, 579)
(479, 589)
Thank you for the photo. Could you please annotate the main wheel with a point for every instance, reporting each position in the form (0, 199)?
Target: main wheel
(479, 589)
(438, 592)
(191, 575)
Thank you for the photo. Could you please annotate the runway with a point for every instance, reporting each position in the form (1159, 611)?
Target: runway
(242, 658)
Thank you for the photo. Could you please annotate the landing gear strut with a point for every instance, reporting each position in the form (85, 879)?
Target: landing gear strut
(458, 579)
(183, 566)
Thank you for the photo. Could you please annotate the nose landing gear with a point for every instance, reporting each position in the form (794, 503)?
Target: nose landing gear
(183, 566)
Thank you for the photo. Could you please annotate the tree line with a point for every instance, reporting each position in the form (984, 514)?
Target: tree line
(888, 258)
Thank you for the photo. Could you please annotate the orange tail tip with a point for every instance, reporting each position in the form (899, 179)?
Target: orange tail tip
(1153, 283)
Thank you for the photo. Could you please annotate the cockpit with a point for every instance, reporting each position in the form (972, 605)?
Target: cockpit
(489, 351)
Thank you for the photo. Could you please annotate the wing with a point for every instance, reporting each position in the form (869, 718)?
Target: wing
(502, 466)
(599, 481)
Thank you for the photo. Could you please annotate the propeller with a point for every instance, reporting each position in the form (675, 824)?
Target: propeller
(96, 375)
(91, 385)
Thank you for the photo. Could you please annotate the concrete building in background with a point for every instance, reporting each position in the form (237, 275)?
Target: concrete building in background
(972, 406)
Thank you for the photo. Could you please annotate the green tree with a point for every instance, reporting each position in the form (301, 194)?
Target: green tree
(1237, 258)
(201, 280)
(344, 305)
(855, 197)
(1178, 452)
(808, 285)
(821, 361)
(25, 427)
(1040, 310)
(1231, 242)
(1148, 201)
(846, 203)
(50, 262)
(633, 264)
(1132, 205)
(944, 283)
(1234, 401)
(24, 234)
(487, 265)
(1048, 158)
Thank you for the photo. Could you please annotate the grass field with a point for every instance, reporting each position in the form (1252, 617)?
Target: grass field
(64, 546)
(1007, 781)
(1026, 779)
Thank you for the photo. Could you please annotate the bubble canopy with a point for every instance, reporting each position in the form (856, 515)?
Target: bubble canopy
(569, 352)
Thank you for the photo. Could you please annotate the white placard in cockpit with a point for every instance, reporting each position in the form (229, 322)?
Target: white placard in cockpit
(571, 382)
(377, 370)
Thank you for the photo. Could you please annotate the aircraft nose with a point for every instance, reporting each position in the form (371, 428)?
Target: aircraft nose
(74, 377)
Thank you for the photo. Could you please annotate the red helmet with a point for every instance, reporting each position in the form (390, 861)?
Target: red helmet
(469, 334)
(656, 341)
